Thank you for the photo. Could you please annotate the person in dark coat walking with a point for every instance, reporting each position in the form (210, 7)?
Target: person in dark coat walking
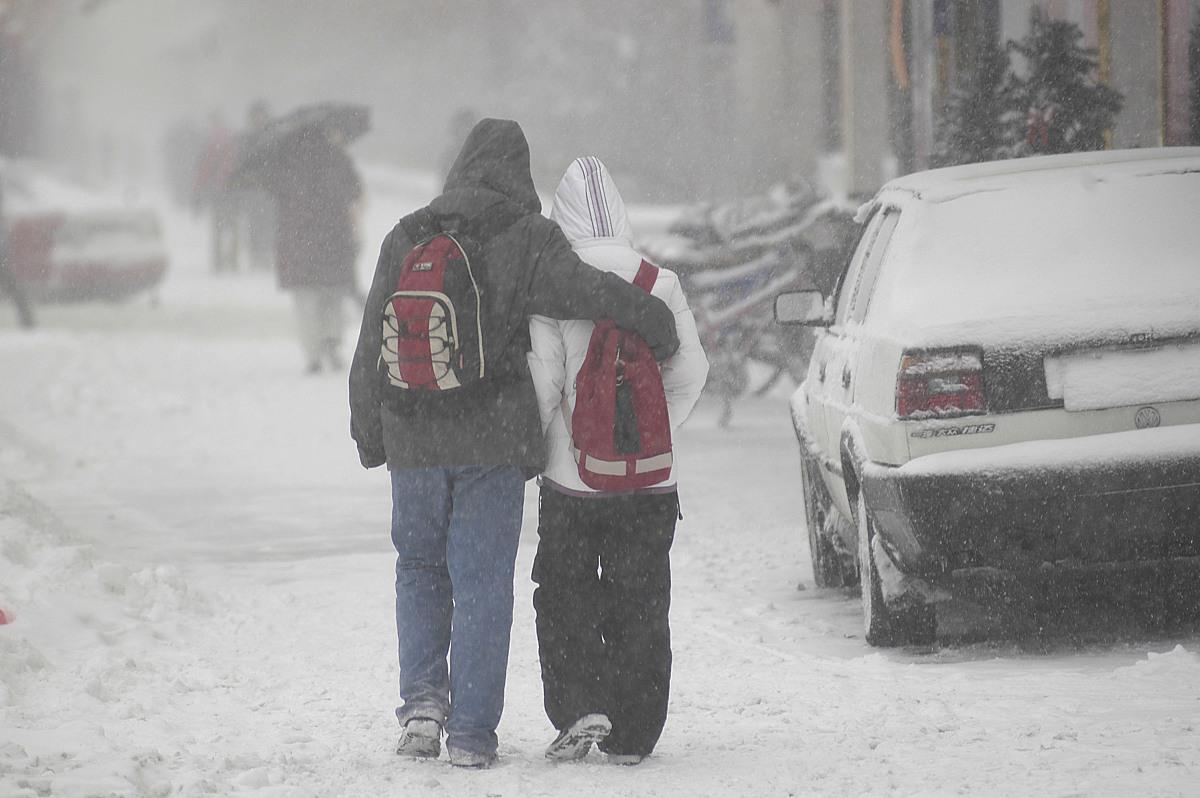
(317, 192)
(458, 462)
(8, 281)
(213, 192)
(255, 207)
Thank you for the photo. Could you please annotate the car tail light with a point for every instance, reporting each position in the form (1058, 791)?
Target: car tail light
(940, 384)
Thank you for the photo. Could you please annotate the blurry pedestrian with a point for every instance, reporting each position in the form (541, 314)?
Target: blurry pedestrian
(317, 192)
(459, 458)
(214, 193)
(255, 207)
(8, 281)
(603, 564)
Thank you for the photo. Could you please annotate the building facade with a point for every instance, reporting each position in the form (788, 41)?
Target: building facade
(687, 100)
(899, 61)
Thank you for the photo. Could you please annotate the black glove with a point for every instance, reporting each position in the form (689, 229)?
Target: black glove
(663, 341)
(663, 351)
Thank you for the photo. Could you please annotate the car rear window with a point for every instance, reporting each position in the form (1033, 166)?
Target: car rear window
(1056, 246)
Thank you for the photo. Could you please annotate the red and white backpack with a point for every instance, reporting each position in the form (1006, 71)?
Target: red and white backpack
(620, 429)
(433, 325)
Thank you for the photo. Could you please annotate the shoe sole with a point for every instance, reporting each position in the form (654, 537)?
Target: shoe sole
(577, 743)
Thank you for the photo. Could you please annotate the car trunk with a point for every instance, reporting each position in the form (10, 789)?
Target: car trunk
(1096, 295)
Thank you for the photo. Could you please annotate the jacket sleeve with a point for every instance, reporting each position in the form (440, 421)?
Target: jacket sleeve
(564, 287)
(685, 372)
(366, 427)
(548, 367)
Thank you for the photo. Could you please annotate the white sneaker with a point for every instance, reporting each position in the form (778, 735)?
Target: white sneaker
(470, 759)
(420, 738)
(576, 740)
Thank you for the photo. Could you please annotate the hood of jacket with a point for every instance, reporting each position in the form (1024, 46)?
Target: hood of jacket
(588, 207)
(495, 156)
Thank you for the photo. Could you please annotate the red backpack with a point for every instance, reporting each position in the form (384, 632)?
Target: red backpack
(433, 319)
(620, 430)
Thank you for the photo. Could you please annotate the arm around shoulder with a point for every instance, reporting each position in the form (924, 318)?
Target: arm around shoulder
(564, 287)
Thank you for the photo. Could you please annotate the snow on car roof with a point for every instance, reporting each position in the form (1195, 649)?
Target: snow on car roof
(1040, 248)
(33, 188)
(942, 185)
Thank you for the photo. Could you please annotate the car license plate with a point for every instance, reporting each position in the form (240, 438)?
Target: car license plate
(1095, 379)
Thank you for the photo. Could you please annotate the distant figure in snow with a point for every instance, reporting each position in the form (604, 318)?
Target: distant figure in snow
(255, 207)
(8, 281)
(317, 193)
(603, 564)
(212, 192)
(459, 456)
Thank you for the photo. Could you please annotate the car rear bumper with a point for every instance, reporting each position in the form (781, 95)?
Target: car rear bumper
(1126, 497)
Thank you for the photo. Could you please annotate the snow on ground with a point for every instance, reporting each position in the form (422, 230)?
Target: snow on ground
(199, 577)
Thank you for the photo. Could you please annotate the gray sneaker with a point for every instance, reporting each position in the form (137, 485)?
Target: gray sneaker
(461, 758)
(576, 740)
(420, 738)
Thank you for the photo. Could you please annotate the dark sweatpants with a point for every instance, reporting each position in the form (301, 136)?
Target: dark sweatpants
(603, 571)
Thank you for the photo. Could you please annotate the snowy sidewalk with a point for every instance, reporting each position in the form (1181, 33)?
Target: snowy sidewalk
(200, 578)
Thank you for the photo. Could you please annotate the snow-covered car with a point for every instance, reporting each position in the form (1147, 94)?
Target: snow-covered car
(1006, 385)
(66, 243)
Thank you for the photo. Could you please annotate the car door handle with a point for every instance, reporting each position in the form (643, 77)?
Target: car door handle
(846, 377)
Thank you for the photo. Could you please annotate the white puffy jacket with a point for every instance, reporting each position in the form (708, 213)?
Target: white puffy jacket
(591, 213)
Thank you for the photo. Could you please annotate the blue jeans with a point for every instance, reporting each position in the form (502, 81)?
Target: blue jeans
(455, 530)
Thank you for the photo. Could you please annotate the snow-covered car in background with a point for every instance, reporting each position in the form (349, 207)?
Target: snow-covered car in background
(1006, 385)
(66, 243)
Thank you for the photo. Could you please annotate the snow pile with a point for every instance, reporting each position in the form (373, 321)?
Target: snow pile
(1168, 666)
(73, 654)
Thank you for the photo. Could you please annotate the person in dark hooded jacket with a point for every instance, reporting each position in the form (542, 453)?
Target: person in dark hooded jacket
(458, 463)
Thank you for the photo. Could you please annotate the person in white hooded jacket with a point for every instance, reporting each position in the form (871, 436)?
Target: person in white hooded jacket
(603, 559)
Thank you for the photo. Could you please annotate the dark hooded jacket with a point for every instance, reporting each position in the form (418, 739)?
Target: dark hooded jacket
(529, 269)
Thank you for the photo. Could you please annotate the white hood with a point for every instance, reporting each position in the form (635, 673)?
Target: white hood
(587, 205)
